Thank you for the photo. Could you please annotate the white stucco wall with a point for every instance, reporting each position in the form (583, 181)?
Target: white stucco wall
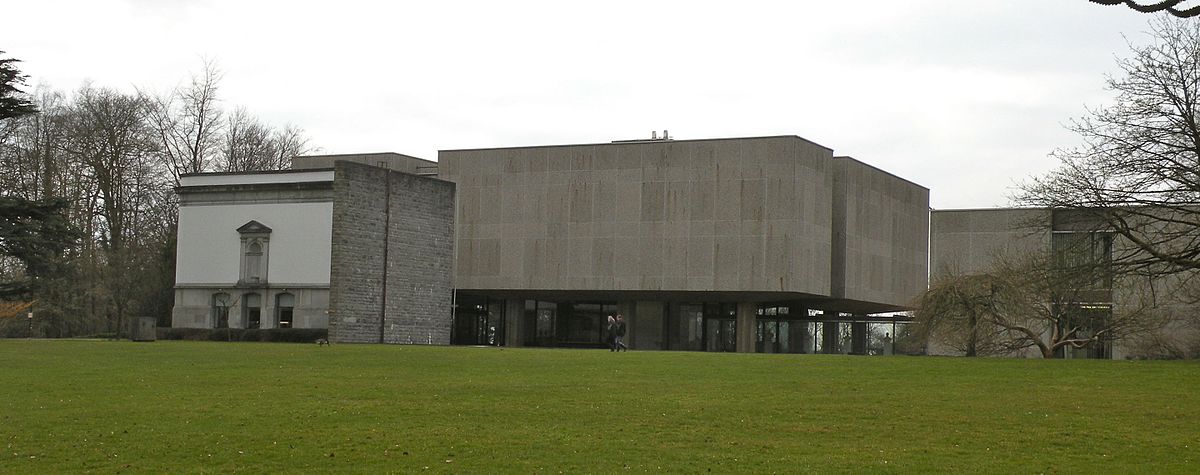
(209, 244)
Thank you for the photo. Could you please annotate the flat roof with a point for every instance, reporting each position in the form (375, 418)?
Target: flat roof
(256, 178)
(880, 170)
(335, 155)
(998, 208)
(639, 142)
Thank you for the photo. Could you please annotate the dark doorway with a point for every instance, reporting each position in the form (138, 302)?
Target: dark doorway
(478, 321)
(720, 334)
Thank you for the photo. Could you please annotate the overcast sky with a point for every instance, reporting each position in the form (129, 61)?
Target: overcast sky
(964, 97)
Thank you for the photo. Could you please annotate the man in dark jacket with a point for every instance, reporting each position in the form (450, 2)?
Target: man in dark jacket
(619, 343)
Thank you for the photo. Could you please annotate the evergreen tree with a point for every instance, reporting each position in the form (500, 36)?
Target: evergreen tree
(35, 233)
(13, 102)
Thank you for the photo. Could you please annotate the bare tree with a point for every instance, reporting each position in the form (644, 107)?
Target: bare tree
(188, 123)
(32, 164)
(1043, 302)
(114, 159)
(1137, 173)
(290, 142)
(111, 137)
(252, 145)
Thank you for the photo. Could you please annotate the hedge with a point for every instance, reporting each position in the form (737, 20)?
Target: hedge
(288, 335)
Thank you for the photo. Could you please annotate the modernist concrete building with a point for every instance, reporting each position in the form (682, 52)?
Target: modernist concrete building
(969, 241)
(749, 244)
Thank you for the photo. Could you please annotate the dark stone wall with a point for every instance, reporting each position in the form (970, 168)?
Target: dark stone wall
(402, 222)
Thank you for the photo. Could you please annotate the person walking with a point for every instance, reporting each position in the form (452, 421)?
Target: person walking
(619, 341)
(610, 334)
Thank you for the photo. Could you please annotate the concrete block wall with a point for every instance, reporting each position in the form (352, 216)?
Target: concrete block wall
(966, 241)
(392, 253)
(697, 215)
(390, 160)
(881, 229)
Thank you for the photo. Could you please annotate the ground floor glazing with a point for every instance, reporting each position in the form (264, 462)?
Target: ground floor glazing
(788, 327)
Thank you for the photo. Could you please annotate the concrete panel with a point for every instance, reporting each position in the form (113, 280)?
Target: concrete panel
(966, 241)
(879, 239)
(652, 199)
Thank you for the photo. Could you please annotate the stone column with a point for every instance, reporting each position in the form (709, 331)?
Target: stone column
(628, 309)
(746, 326)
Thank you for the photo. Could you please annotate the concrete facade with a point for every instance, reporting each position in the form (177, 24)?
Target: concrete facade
(691, 240)
(387, 160)
(881, 226)
(968, 241)
(705, 215)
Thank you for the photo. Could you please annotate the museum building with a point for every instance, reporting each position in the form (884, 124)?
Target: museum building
(768, 244)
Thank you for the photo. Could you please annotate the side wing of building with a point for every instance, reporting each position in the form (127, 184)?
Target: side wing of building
(253, 250)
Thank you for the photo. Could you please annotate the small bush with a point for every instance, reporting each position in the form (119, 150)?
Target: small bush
(286, 335)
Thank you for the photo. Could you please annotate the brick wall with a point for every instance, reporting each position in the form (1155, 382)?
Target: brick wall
(413, 218)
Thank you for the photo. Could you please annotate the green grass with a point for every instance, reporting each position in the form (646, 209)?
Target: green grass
(75, 406)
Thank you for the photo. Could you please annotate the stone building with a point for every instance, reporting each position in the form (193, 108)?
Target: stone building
(768, 244)
(261, 250)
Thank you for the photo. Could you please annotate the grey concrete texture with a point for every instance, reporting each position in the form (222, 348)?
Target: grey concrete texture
(389, 160)
(392, 253)
(881, 229)
(966, 241)
(704, 215)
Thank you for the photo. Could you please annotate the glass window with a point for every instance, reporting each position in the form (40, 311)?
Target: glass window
(1087, 253)
(252, 306)
(567, 323)
(285, 304)
(220, 310)
(686, 327)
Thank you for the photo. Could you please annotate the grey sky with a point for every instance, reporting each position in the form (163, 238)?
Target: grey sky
(964, 97)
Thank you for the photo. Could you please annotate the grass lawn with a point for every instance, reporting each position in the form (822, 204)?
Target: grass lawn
(171, 406)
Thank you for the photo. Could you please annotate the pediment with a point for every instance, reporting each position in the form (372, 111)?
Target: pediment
(254, 227)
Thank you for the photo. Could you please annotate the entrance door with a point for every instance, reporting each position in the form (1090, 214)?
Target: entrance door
(478, 321)
(720, 334)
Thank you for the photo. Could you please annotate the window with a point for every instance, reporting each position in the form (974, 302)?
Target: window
(1087, 322)
(252, 310)
(220, 310)
(1087, 256)
(284, 305)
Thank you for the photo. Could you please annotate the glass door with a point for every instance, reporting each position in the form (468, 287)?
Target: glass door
(720, 334)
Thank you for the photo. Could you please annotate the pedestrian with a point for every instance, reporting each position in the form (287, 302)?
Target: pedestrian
(619, 341)
(610, 334)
